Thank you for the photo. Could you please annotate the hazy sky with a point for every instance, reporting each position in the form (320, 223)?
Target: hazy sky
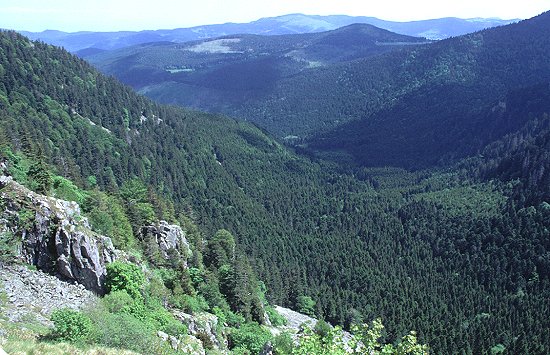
(108, 15)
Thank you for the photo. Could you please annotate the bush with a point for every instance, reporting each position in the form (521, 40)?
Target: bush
(107, 216)
(275, 318)
(234, 319)
(306, 305)
(125, 331)
(71, 326)
(322, 328)
(189, 304)
(67, 190)
(125, 276)
(118, 302)
(40, 178)
(160, 319)
(250, 336)
(283, 344)
(153, 315)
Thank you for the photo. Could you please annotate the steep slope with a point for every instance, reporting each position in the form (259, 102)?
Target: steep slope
(287, 24)
(223, 74)
(440, 99)
(455, 260)
(401, 103)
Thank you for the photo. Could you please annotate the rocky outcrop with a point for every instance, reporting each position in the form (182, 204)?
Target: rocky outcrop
(186, 344)
(31, 294)
(205, 327)
(54, 236)
(294, 320)
(267, 349)
(169, 239)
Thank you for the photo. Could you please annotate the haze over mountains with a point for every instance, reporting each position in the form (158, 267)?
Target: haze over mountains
(288, 24)
(221, 75)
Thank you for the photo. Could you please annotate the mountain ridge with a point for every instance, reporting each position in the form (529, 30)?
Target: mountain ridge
(434, 29)
(303, 103)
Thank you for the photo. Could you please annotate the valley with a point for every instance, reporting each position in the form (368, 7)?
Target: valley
(359, 175)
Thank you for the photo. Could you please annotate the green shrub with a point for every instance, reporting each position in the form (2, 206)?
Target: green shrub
(71, 326)
(190, 304)
(160, 319)
(125, 331)
(66, 190)
(125, 276)
(275, 318)
(234, 319)
(40, 178)
(118, 301)
(283, 344)
(306, 305)
(108, 217)
(250, 336)
(218, 312)
(322, 328)
(241, 351)
(155, 290)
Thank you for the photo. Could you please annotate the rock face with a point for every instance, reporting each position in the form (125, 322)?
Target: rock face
(204, 326)
(295, 319)
(54, 236)
(170, 240)
(186, 344)
(34, 295)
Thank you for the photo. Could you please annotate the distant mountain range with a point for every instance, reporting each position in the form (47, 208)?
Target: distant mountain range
(363, 93)
(222, 74)
(288, 24)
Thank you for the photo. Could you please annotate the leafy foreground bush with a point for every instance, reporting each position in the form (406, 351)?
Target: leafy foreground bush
(276, 319)
(125, 331)
(249, 338)
(125, 276)
(364, 340)
(71, 326)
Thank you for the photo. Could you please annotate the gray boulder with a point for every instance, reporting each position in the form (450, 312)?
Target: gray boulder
(54, 236)
(169, 239)
(205, 327)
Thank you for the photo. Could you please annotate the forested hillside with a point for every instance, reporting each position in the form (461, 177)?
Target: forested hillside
(447, 253)
(374, 101)
(221, 74)
(419, 107)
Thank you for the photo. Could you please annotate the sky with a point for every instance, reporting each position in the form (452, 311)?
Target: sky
(116, 15)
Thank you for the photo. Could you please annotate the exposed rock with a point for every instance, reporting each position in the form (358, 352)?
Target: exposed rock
(267, 321)
(34, 295)
(174, 342)
(162, 335)
(295, 319)
(204, 326)
(295, 322)
(54, 236)
(191, 345)
(267, 349)
(186, 344)
(170, 240)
